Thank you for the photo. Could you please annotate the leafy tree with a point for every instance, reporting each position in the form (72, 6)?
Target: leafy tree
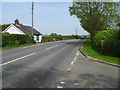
(53, 34)
(95, 16)
(3, 27)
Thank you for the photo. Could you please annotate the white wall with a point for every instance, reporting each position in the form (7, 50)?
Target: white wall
(40, 38)
(35, 38)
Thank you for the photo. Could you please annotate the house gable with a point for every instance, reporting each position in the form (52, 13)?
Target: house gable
(13, 30)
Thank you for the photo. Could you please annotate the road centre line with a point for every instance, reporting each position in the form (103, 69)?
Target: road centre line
(52, 47)
(37, 45)
(17, 59)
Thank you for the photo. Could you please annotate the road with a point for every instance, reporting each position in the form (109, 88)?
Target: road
(55, 65)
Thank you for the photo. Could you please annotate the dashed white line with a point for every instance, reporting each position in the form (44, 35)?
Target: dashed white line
(59, 87)
(51, 47)
(72, 63)
(77, 53)
(17, 59)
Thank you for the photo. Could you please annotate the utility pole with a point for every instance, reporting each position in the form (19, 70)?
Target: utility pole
(76, 30)
(32, 16)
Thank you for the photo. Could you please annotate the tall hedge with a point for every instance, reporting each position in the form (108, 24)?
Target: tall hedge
(15, 39)
(107, 42)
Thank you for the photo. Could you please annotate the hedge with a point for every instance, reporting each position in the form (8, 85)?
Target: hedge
(59, 37)
(107, 42)
(15, 39)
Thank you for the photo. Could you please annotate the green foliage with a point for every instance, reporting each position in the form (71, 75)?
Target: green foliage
(95, 16)
(3, 27)
(86, 49)
(53, 34)
(107, 42)
(15, 39)
(59, 37)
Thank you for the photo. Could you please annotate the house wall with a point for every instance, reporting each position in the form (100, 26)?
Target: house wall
(13, 30)
(40, 38)
(37, 38)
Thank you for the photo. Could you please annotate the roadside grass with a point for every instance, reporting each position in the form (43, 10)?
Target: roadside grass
(12, 47)
(86, 49)
(24, 45)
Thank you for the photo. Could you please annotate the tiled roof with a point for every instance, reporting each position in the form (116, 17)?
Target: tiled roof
(27, 29)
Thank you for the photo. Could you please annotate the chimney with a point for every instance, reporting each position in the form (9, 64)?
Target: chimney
(17, 22)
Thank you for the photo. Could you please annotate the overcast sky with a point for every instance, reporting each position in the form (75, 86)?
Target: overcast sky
(48, 17)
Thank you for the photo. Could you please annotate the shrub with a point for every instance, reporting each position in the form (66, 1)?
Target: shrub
(107, 42)
(15, 39)
(59, 37)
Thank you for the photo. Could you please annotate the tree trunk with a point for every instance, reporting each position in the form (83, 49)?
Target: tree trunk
(92, 38)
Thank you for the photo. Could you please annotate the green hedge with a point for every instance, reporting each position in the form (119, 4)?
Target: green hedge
(107, 42)
(15, 39)
(59, 37)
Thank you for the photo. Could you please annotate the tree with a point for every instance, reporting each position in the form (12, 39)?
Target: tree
(95, 16)
(53, 34)
(3, 27)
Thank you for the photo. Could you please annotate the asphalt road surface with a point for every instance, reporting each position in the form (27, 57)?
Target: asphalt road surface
(55, 65)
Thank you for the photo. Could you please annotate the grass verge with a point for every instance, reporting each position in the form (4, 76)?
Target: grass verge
(11, 47)
(24, 45)
(86, 49)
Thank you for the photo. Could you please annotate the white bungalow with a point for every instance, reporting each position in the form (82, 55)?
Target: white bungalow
(22, 29)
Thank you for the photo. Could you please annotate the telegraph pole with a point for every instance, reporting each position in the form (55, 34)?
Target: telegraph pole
(32, 16)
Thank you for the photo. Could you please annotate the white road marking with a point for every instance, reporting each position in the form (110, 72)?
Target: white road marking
(17, 59)
(69, 69)
(52, 47)
(59, 87)
(77, 53)
(72, 63)
(76, 84)
(62, 82)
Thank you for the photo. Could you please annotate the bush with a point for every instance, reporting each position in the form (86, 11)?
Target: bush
(59, 37)
(107, 42)
(15, 39)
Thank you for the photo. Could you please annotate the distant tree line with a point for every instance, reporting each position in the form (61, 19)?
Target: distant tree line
(57, 37)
